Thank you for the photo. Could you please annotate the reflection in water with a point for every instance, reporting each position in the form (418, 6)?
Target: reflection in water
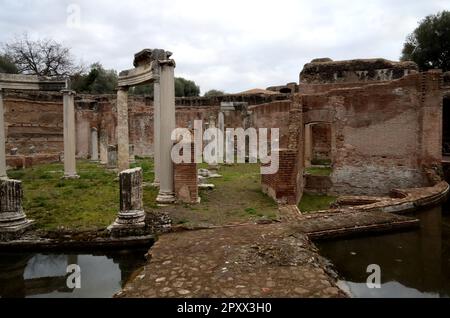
(41, 275)
(413, 264)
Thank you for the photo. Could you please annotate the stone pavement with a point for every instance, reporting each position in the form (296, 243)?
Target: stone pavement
(271, 260)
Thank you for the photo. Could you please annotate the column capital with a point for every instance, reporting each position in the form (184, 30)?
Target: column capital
(168, 62)
(68, 92)
(122, 88)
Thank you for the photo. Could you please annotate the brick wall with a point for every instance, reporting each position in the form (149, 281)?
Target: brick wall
(385, 133)
(186, 180)
(283, 185)
(286, 185)
(36, 119)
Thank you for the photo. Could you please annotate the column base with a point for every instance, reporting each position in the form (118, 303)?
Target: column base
(128, 223)
(165, 198)
(71, 176)
(15, 230)
(156, 183)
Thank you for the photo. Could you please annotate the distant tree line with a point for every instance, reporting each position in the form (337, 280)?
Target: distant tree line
(47, 57)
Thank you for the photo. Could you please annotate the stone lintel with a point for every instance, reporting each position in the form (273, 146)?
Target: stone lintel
(68, 92)
(32, 82)
(139, 75)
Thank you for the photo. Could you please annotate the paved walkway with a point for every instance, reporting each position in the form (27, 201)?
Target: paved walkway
(266, 260)
(271, 260)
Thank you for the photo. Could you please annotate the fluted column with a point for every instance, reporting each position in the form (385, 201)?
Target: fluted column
(12, 217)
(156, 130)
(123, 155)
(70, 170)
(167, 125)
(2, 139)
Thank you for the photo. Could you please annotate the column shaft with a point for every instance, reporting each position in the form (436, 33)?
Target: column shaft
(2, 139)
(69, 135)
(94, 144)
(123, 156)
(156, 129)
(167, 125)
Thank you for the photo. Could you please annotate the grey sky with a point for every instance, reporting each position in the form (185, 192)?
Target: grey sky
(231, 45)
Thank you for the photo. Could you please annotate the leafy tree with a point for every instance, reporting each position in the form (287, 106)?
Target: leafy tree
(146, 89)
(97, 81)
(183, 88)
(214, 92)
(43, 57)
(7, 65)
(429, 44)
(186, 88)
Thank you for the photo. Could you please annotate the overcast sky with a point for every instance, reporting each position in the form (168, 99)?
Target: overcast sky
(232, 45)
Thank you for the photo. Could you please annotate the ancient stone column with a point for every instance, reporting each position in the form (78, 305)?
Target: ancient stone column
(131, 152)
(156, 130)
(131, 218)
(103, 147)
(94, 144)
(70, 171)
(214, 166)
(221, 120)
(111, 162)
(167, 125)
(123, 156)
(2, 139)
(308, 145)
(12, 219)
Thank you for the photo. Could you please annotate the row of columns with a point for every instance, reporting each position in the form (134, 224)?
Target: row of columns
(164, 124)
(69, 135)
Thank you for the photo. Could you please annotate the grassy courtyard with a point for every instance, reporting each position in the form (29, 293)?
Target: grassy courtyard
(92, 201)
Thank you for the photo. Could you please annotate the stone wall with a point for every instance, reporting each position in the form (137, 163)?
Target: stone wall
(322, 75)
(34, 121)
(321, 142)
(386, 134)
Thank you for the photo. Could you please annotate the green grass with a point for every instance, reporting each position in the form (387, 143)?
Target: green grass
(92, 202)
(319, 171)
(313, 202)
(88, 203)
(236, 198)
(321, 162)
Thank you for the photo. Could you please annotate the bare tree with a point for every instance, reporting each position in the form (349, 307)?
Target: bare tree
(43, 57)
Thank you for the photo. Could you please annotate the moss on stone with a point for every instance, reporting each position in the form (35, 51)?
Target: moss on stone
(315, 202)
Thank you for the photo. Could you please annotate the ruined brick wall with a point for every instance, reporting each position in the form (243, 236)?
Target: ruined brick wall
(33, 120)
(323, 75)
(321, 142)
(286, 185)
(385, 133)
(36, 119)
(186, 179)
(273, 115)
